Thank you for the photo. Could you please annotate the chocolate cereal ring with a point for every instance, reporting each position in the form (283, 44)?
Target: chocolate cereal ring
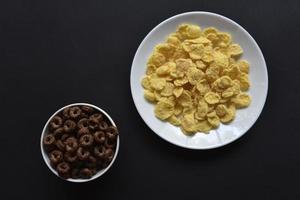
(66, 113)
(49, 142)
(69, 126)
(110, 144)
(64, 137)
(70, 157)
(56, 156)
(60, 145)
(71, 144)
(97, 116)
(109, 154)
(83, 154)
(75, 112)
(87, 109)
(99, 137)
(63, 168)
(56, 122)
(86, 173)
(86, 140)
(58, 132)
(93, 124)
(111, 132)
(103, 125)
(82, 132)
(83, 123)
(99, 151)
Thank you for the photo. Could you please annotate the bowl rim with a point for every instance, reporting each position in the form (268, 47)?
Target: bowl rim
(45, 156)
(228, 20)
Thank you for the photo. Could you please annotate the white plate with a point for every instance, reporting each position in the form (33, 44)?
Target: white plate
(245, 118)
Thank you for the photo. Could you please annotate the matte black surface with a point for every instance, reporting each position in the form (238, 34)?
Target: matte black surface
(58, 52)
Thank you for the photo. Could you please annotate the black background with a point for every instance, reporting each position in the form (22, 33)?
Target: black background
(58, 52)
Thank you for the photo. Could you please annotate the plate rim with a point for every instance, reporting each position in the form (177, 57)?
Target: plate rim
(259, 51)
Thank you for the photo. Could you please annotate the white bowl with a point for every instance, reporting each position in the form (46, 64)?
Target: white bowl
(46, 158)
(245, 118)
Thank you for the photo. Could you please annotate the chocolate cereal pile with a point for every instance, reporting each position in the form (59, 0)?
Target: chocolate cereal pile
(80, 142)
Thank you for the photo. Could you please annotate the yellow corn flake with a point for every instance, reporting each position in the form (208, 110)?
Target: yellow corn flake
(184, 99)
(241, 100)
(212, 72)
(196, 51)
(203, 126)
(220, 59)
(235, 50)
(202, 110)
(195, 79)
(149, 95)
(188, 124)
(173, 40)
(213, 119)
(177, 91)
(203, 87)
(163, 70)
(157, 83)
(174, 120)
(150, 69)
(146, 83)
(224, 82)
(178, 109)
(166, 49)
(221, 110)
(244, 82)
(182, 65)
(225, 39)
(194, 75)
(200, 65)
(181, 81)
(163, 110)
(243, 66)
(209, 30)
(157, 59)
(228, 93)
(168, 90)
(212, 98)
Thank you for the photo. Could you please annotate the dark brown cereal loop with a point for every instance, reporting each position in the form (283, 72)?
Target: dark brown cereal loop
(66, 113)
(99, 137)
(83, 131)
(109, 154)
(82, 154)
(86, 140)
(69, 126)
(110, 144)
(83, 123)
(103, 125)
(49, 142)
(97, 117)
(71, 144)
(86, 173)
(64, 137)
(60, 145)
(56, 156)
(112, 132)
(70, 157)
(56, 122)
(58, 132)
(63, 168)
(99, 151)
(87, 109)
(93, 124)
(75, 112)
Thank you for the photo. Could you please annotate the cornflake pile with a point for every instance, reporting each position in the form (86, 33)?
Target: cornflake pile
(195, 79)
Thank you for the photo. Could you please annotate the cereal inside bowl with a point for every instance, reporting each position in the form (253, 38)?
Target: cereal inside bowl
(79, 142)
